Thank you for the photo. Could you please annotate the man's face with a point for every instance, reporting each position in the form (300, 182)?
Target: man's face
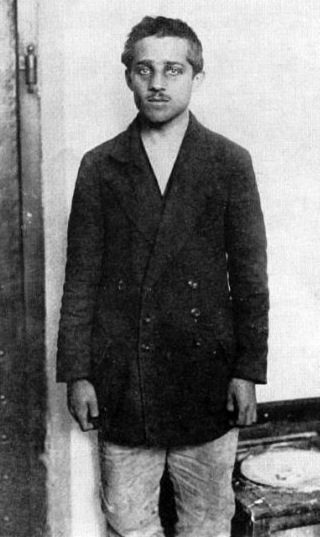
(161, 78)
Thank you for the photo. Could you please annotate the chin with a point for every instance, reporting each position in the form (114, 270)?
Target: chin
(158, 118)
(154, 119)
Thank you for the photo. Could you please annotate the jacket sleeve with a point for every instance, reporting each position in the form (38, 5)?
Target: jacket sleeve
(247, 266)
(82, 277)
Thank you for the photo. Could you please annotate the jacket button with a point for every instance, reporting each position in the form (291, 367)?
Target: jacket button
(195, 312)
(193, 284)
(121, 285)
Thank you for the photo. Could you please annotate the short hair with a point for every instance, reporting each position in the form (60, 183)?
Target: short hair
(164, 27)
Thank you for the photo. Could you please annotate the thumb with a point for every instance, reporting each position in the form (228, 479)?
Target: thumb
(93, 406)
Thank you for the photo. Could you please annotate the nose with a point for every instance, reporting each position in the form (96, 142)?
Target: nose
(157, 82)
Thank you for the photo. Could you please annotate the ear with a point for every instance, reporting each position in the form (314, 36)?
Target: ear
(128, 79)
(197, 81)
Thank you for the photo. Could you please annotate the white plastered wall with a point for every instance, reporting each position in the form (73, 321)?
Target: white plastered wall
(262, 90)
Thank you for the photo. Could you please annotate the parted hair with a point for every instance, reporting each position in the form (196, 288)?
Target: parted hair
(164, 27)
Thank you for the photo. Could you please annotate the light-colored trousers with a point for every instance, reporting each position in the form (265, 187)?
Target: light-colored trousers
(201, 478)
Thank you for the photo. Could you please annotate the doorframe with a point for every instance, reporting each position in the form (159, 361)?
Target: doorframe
(32, 235)
(27, 20)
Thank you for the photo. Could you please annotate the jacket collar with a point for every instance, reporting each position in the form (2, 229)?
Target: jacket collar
(127, 145)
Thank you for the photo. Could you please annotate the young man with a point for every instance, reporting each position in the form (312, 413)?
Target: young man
(164, 314)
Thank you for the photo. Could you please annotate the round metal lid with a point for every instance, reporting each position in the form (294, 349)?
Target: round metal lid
(296, 469)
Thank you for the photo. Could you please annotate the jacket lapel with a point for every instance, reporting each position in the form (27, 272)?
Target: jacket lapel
(134, 186)
(185, 200)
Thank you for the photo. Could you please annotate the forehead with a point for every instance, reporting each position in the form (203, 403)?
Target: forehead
(161, 49)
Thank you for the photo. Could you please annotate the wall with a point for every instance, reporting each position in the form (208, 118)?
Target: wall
(261, 89)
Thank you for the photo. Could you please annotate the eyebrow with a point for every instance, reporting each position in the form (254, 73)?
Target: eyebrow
(168, 63)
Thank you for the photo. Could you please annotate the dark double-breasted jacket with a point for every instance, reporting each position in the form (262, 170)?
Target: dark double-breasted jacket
(165, 297)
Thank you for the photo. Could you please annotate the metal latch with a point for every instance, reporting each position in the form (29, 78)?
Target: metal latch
(28, 63)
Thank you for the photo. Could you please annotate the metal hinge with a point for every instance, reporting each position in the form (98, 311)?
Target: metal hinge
(28, 63)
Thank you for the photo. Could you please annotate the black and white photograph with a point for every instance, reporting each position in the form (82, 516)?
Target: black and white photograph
(160, 268)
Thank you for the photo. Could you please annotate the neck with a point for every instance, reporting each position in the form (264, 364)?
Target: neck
(174, 128)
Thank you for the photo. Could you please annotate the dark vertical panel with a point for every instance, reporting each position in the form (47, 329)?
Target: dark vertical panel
(22, 482)
(33, 267)
(14, 460)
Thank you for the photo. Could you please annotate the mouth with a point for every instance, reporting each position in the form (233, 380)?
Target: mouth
(158, 100)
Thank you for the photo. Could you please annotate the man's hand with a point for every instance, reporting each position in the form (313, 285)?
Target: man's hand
(82, 403)
(242, 398)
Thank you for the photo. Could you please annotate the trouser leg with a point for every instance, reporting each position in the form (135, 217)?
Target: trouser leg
(202, 481)
(130, 487)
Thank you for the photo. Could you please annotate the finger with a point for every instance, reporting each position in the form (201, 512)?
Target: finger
(255, 414)
(248, 416)
(93, 408)
(241, 421)
(84, 423)
(251, 415)
(230, 403)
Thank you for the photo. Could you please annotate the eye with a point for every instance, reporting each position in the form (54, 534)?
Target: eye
(174, 71)
(144, 71)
